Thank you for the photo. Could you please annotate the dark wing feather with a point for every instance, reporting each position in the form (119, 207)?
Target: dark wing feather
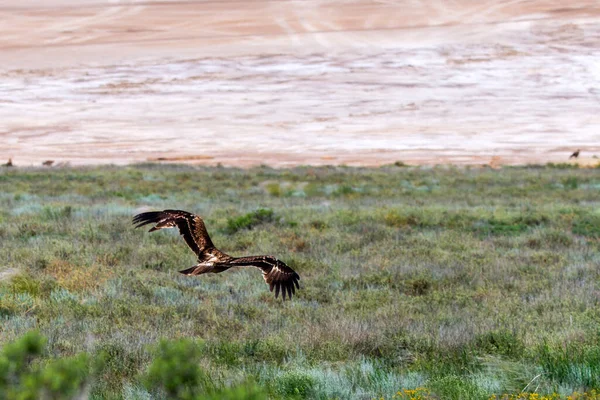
(275, 273)
(191, 226)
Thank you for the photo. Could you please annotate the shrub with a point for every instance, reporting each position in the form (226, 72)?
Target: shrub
(294, 384)
(23, 378)
(176, 371)
(64, 378)
(17, 355)
(571, 182)
(509, 226)
(248, 221)
(587, 225)
(399, 220)
(25, 284)
(274, 189)
(419, 287)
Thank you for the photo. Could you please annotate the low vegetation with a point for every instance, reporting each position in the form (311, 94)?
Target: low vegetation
(425, 283)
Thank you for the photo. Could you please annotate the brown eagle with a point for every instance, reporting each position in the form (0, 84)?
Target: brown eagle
(575, 154)
(210, 259)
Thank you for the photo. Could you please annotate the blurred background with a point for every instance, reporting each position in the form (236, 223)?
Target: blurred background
(294, 82)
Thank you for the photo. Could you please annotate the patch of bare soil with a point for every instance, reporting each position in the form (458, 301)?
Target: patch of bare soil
(8, 273)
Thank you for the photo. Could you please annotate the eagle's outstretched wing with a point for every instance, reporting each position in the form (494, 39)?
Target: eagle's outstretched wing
(277, 275)
(191, 227)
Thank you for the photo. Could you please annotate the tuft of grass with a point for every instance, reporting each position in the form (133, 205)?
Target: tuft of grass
(453, 387)
(24, 283)
(500, 343)
(274, 189)
(575, 364)
(78, 278)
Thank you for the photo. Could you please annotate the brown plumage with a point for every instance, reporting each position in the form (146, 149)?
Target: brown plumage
(574, 155)
(48, 163)
(210, 259)
(9, 163)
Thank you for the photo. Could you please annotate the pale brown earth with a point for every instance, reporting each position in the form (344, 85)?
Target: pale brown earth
(299, 82)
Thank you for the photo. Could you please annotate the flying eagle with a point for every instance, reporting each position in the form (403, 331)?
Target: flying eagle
(575, 155)
(210, 259)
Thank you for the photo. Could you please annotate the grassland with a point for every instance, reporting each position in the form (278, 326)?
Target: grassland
(459, 283)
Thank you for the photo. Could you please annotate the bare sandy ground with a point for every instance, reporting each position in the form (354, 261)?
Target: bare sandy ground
(291, 82)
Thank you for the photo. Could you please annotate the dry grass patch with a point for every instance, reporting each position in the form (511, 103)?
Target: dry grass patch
(78, 278)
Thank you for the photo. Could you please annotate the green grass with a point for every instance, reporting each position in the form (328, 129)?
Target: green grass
(468, 282)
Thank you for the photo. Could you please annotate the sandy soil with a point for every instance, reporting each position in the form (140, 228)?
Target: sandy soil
(290, 82)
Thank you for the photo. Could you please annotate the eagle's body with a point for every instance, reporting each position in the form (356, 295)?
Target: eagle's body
(210, 259)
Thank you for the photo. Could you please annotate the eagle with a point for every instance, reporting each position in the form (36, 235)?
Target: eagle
(575, 154)
(210, 259)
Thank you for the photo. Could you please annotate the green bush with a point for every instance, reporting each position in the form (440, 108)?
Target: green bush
(571, 182)
(25, 284)
(176, 372)
(65, 378)
(587, 225)
(23, 377)
(17, 356)
(509, 225)
(294, 384)
(274, 189)
(248, 221)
